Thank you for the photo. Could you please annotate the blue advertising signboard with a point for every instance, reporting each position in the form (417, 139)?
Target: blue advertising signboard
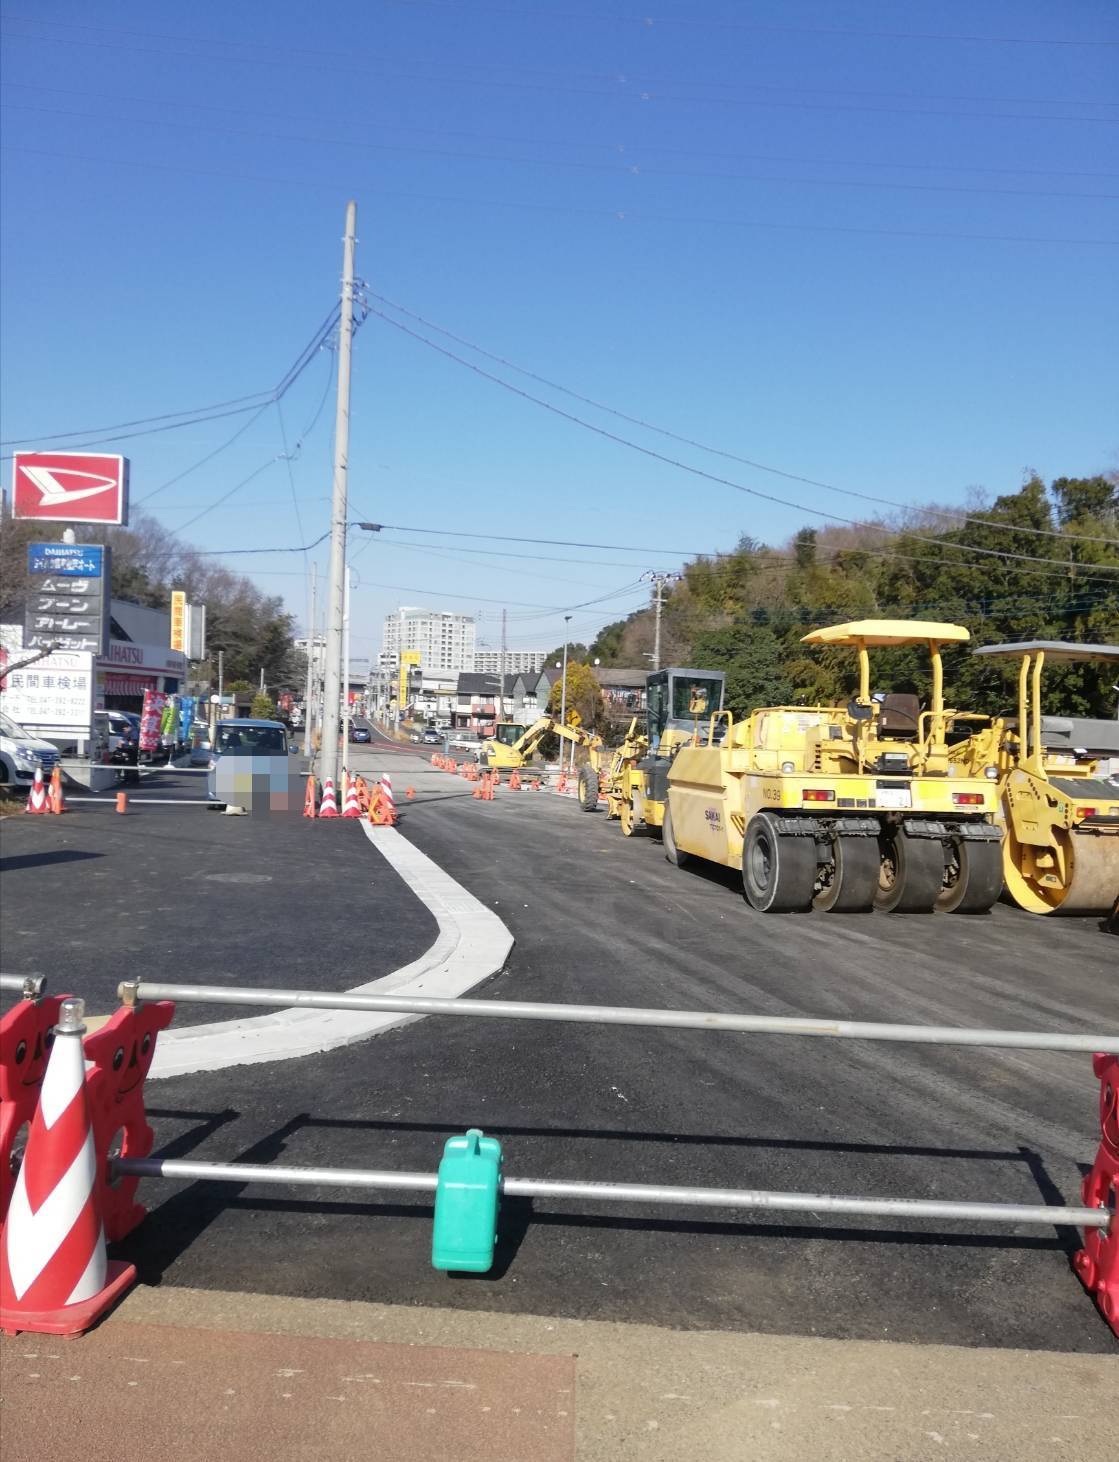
(68, 607)
(73, 560)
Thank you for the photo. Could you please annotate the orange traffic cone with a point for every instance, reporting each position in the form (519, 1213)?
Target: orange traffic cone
(409, 792)
(351, 807)
(54, 1275)
(362, 793)
(561, 785)
(122, 801)
(536, 784)
(309, 809)
(56, 803)
(37, 796)
(329, 806)
(386, 795)
(515, 782)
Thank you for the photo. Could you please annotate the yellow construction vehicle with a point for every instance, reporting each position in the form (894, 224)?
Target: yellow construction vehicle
(513, 746)
(843, 808)
(1060, 807)
(681, 710)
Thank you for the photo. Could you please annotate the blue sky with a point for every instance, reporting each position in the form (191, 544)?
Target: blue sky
(861, 242)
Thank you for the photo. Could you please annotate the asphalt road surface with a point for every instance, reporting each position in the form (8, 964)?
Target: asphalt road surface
(599, 918)
(175, 890)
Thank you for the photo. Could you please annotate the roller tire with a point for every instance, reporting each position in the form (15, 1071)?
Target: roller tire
(854, 880)
(588, 789)
(778, 873)
(917, 877)
(979, 881)
(668, 837)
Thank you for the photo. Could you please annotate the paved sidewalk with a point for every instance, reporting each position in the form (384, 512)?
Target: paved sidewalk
(198, 1374)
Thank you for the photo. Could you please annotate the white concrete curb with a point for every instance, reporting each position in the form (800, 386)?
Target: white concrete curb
(471, 945)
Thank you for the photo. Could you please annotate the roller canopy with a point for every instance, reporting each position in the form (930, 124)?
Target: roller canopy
(1053, 649)
(887, 632)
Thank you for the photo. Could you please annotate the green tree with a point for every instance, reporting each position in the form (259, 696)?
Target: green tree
(263, 707)
(584, 694)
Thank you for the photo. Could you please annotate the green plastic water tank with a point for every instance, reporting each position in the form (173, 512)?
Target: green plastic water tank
(466, 1203)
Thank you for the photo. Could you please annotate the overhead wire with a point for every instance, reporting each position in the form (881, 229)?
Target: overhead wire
(687, 467)
(621, 170)
(953, 516)
(616, 147)
(1074, 568)
(641, 97)
(615, 215)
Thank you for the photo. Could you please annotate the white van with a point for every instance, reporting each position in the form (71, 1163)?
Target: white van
(22, 754)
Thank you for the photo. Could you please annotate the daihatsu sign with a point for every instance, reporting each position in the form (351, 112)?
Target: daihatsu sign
(70, 487)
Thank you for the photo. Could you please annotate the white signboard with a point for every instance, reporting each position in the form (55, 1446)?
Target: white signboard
(54, 695)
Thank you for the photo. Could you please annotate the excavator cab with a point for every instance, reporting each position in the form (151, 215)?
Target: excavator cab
(680, 704)
(508, 732)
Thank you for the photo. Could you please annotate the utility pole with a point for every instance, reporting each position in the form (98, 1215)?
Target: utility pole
(659, 580)
(563, 686)
(346, 653)
(309, 695)
(332, 689)
(501, 670)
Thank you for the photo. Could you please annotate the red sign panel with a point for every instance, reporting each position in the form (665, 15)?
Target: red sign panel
(70, 487)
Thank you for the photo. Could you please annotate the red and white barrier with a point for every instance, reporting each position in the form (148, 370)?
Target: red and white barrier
(55, 1278)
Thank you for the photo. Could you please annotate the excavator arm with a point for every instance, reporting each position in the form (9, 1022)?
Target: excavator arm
(497, 754)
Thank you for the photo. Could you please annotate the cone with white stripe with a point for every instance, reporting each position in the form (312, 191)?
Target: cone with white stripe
(328, 807)
(37, 795)
(386, 793)
(352, 805)
(54, 1276)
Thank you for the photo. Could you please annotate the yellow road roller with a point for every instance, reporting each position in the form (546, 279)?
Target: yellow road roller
(1058, 786)
(843, 808)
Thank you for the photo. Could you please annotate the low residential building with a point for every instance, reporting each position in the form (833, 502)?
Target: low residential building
(623, 693)
(530, 695)
(477, 704)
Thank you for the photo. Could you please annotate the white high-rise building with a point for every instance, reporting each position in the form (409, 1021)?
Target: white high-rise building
(517, 662)
(445, 641)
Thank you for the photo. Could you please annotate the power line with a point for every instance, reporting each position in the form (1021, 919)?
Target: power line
(1072, 569)
(622, 170)
(217, 407)
(614, 215)
(707, 23)
(302, 361)
(230, 552)
(954, 517)
(616, 147)
(699, 471)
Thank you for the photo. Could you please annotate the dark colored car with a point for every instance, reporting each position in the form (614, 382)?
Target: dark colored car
(360, 733)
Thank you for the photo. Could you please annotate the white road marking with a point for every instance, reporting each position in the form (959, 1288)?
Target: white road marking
(471, 945)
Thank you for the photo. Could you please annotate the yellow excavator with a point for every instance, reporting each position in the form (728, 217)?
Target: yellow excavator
(1058, 782)
(512, 746)
(843, 808)
(681, 710)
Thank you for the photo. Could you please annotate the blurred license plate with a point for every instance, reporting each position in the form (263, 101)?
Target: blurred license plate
(893, 796)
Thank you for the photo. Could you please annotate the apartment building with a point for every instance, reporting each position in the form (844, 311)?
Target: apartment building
(444, 641)
(516, 662)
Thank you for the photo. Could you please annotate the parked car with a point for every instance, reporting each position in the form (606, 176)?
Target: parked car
(22, 753)
(265, 742)
(432, 737)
